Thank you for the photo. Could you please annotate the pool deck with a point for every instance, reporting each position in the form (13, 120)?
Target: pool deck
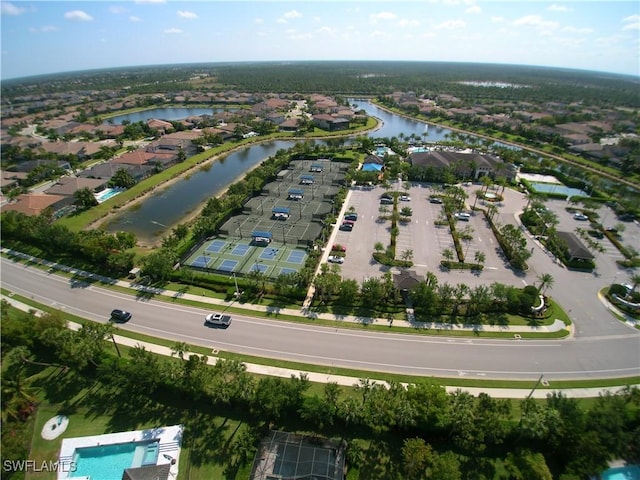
(170, 442)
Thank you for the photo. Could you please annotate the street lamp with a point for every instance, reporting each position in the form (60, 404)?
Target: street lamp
(235, 280)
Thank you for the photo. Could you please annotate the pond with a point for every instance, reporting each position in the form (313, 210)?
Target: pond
(168, 114)
(170, 205)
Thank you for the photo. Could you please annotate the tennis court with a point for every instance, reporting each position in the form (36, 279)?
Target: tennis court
(287, 271)
(216, 246)
(227, 265)
(201, 261)
(260, 267)
(269, 253)
(296, 256)
(240, 249)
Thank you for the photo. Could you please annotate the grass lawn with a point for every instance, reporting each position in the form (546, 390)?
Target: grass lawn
(207, 450)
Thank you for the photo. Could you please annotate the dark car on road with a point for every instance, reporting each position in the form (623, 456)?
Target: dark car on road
(118, 315)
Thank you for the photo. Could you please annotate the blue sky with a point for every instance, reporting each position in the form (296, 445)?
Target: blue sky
(58, 36)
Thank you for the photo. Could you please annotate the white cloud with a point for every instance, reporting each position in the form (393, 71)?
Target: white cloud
(258, 21)
(133, 18)
(289, 16)
(116, 9)
(428, 35)
(8, 8)
(631, 23)
(473, 9)
(535, 21)
(382, 16)
(559, 8)
(78, 16)
(451, 25)
(172, 31)
(186, 14)
(497, 19)
(43, 29)
(327, 31)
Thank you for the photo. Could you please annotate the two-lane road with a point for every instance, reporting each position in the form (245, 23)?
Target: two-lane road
(579, 358)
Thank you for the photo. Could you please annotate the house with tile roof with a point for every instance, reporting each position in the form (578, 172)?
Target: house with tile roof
(68, 186)
(36, 203)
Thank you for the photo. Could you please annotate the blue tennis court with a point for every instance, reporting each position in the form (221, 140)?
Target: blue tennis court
(228, 265)
(269, 253)
(296, 256)
(240, 249)
(287, 271)
(201, 261)
(259, 267)
(216, 246)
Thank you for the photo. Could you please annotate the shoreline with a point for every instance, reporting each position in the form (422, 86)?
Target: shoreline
(190, 217)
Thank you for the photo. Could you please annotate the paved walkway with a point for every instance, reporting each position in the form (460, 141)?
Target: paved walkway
(539, 393)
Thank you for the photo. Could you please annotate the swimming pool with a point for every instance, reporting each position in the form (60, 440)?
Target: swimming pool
(557, 188)
(631, 472)
(107, 193)
(108, 462)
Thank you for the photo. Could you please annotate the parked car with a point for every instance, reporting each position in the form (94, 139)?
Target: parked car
(580, 216)
(462, 216)
(386, 201)
(435, 200)
(405, 198)
(335, 259)
(338, 248)
(217, 319)
(347, 227)
(118, 315)
(351, 216)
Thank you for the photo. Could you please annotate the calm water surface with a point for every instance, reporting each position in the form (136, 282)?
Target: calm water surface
(169, 206)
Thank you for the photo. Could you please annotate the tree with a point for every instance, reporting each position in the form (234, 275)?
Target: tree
(546, 281)
(417, 455)
(122, 178)
(479, 257)
(407, 255)
(180, 349)
(85, 198)
(447, 253)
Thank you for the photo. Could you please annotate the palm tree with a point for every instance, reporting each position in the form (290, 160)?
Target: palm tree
(546, 281)
(407, 255)
(180, 349)
(480, 257)
(635, 281)
(447, 253)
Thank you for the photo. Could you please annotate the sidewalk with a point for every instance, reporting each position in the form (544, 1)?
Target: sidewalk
(556, 326)
(538, 393)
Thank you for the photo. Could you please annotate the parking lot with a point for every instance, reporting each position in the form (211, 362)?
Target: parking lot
(421, 235)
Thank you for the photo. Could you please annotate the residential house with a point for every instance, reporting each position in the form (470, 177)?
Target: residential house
(330, 123)
(68, 186)
(36, 203)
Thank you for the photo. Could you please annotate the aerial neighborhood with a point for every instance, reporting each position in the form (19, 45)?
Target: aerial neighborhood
(385, 271)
